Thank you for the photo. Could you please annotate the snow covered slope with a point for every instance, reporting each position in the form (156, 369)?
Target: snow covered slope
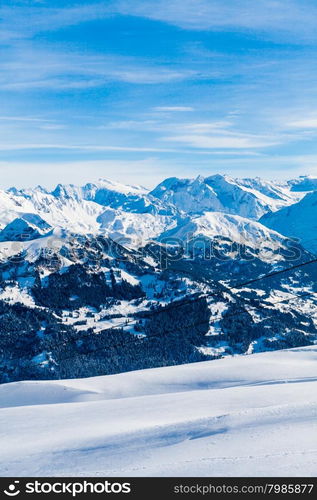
(297, 221)
(133, 229)
(235, 228)
(242, 416)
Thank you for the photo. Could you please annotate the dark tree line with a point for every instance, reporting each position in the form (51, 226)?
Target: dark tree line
(79, 287)
(35, 344)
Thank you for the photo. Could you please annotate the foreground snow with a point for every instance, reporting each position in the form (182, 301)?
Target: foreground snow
(243, 416)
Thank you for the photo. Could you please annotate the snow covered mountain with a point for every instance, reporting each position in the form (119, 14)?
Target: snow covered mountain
(83, 268)
(105, 207)
(25, 227)
(132, 213)
(297, 221)
(133, 229)
(66, 299)
(230, 228)
(249, 198)
(243, 416)
(304, 183)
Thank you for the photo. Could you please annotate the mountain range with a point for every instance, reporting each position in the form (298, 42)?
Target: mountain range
(105, 277)
(118, 211)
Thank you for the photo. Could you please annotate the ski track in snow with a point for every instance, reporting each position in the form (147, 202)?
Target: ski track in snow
(241, 416)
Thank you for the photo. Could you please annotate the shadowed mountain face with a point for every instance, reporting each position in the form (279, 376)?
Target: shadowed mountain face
(108, 278)
(297, 221)
(25, 227)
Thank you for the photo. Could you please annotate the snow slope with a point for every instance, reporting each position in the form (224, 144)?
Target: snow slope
(297, 221)
(133, 229)
(249, 415)
(233, 227)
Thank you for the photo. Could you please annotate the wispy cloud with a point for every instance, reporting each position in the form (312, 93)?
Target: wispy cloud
(275, 18)
(29, 67)
(173, 108)
(140, 125)
(22, 119)
(203, 128)
(308, 123)
(166, 122)
(221, 141)
(52, 126)
(24, 21)
(80, 147)
(272, 17)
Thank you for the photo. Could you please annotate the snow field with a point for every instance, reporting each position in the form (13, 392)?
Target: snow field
(247, 415)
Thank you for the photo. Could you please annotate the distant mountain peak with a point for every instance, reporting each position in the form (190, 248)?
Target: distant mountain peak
(119, 187)
(26, 227)
(303, 183)
(249, 198)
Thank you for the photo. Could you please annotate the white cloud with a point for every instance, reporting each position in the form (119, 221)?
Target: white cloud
(25, 21)
(52, 126)
(140, 125)
(221, 142)
(30, 67)
(23, 119)
(277, 17)
(79, 147)
(310, 123)
(173, 108)
(295, 19)
(163, 124)
(203, 128)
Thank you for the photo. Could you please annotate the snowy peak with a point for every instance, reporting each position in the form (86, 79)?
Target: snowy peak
(28, 192)
(113, 194)
(24, 228)
(249, 198)
(274, 190)
(188, 195)
(68, 191)
(303, 184)
(121, 188)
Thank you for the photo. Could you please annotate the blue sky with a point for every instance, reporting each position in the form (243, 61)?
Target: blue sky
(140, 90)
